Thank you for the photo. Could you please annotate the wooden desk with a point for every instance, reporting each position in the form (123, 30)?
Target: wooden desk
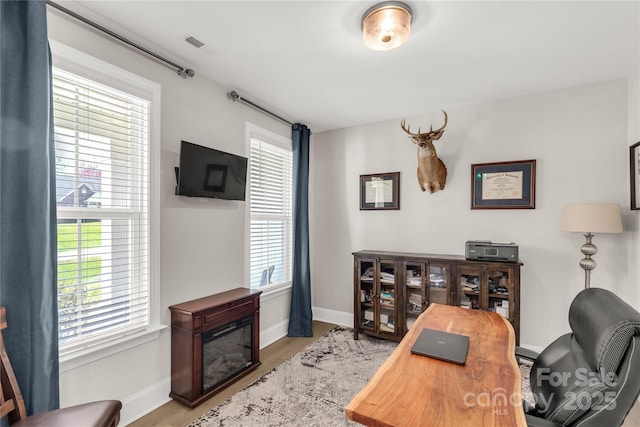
(411, 390)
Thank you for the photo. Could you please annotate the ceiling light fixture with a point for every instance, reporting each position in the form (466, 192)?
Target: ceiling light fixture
(386, 25)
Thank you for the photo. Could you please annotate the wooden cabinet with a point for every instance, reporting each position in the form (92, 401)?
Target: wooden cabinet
(391, 289)
(214, 341)
(376, 289)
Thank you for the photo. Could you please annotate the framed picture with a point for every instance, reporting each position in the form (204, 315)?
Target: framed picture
(634, 163)
(504, 185)
(380, 191)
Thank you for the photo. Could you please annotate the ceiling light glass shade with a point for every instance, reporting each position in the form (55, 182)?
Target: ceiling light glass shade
(386, 25)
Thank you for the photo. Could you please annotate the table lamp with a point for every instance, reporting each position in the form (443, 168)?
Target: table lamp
(590, 218)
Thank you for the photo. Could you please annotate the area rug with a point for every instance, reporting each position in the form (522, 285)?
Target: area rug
(310, 389)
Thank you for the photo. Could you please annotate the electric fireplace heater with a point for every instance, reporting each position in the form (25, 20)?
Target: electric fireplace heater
(214, 342)
(226, 351)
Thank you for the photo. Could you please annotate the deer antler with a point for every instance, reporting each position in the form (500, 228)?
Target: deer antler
(443, 126)
(408, 129)
(419, 134)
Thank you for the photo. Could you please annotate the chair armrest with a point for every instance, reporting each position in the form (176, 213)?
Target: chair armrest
(525, 353)
(539, 422)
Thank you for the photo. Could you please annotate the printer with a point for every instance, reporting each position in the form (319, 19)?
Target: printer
(486, 250)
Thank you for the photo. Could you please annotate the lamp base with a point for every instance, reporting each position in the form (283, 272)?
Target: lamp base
(587, 263)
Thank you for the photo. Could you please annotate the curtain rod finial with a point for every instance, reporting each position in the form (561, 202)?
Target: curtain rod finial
(186, 72)
(233, 95)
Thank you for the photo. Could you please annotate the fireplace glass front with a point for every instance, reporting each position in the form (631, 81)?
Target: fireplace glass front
(226, 351)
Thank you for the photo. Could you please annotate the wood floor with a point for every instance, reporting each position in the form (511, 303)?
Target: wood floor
(174, 414)
(633, 419)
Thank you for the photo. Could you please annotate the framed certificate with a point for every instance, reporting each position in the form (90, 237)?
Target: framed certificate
(504, 185)
(380, 191)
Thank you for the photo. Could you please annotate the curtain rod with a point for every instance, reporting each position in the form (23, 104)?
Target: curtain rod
(182, 71)
(234, 96)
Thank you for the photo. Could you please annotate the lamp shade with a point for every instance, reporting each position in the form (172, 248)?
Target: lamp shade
(592, 218)
(386, 25)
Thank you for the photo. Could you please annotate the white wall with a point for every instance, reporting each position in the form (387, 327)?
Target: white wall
(202, 241)
(578, 137)
(634, 107)
(634, 136)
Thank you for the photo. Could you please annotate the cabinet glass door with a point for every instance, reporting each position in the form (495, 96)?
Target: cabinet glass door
(415, 301)
(499, 291)
(470, 281)
(366, 270)
(438, 284)
(387, 319)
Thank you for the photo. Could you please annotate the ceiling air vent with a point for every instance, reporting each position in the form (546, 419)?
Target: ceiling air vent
(194, 41)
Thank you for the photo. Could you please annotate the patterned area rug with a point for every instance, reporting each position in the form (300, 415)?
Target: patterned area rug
(310, 389)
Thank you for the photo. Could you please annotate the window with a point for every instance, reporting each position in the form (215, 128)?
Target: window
(104, 207)
(270, 232)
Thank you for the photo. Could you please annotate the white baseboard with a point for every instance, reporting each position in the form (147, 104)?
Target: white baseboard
(332, 316)
(274, 333)
(145, 401)
(279, 330)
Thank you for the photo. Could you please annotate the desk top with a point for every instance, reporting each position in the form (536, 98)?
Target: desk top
(411, 390)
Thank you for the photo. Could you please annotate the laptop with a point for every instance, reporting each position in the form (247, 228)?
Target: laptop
(442, 346)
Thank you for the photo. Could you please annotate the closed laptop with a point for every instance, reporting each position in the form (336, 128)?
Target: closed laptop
(442, 345)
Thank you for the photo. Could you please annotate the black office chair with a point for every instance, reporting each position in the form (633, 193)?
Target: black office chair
(591, 376)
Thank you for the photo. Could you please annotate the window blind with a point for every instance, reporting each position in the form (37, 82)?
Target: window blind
(102, 197)
(271, 214)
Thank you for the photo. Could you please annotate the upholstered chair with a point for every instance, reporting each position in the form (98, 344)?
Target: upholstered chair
(105, 413)
(591, 376)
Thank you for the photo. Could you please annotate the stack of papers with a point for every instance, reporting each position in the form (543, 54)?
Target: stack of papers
(386, 276)
(415, 281)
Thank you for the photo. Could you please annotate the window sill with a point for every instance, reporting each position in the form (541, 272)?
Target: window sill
(274, 291)
(85, 356)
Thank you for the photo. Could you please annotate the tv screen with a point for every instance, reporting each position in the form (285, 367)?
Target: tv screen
(206, 172)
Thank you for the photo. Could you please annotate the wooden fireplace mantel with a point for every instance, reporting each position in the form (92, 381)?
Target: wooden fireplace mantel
(189, 321)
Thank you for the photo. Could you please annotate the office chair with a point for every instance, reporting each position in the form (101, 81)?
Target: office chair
(591, 376)
(104, 413)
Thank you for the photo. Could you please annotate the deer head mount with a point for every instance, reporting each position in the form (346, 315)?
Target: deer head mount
(432, 173)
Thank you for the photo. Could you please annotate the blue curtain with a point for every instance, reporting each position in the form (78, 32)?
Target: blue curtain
(300, 316)
(27, 203)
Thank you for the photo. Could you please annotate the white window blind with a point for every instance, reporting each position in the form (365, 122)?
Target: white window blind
(271, 214)
(102, 195)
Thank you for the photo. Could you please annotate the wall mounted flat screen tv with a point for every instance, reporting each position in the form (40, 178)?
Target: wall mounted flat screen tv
(206, 172)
